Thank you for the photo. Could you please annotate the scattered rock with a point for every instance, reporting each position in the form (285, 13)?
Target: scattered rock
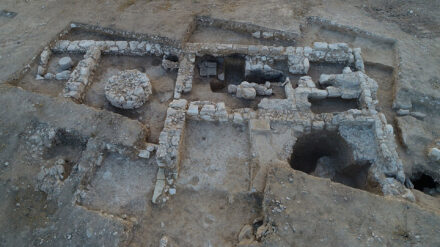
(246, 92)
(434, 154)
(418, 115)
(163, 241)
(65, 63)
(402, 112)
(221, 76)
(50, 76)
(49, 180)
(346, 70)
(172, 191)
(63, 75)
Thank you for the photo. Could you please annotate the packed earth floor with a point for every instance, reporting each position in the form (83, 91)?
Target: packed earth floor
(219, 123)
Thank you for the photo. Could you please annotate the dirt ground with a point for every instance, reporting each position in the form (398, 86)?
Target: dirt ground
(104, 195)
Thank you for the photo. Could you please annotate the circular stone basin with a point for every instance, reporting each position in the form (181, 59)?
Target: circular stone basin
(129, 89)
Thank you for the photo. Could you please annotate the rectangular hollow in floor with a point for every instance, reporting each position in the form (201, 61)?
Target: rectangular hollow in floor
(329, 105)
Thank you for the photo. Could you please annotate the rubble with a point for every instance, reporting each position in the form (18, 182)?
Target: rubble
(298, 65)
(245, 92)
(50, 179)
(170, 65)
(249, 91)
(128, 89)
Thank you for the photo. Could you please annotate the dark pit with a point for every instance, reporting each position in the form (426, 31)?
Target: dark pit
(329, 105)
(326, 154)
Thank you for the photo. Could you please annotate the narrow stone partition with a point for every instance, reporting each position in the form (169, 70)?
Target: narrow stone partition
(185, 75)
(79, 79)
(168, 152)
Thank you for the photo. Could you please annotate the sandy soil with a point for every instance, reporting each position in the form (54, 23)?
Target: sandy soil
(104, 196)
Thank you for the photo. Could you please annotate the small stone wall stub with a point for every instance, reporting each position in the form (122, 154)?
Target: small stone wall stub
(80, 77)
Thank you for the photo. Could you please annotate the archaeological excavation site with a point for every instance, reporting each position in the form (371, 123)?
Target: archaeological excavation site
(219, 123)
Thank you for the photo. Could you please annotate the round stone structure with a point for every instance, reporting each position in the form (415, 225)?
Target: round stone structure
(129, 89)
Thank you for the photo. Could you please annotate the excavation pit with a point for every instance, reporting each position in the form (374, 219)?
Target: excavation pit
(119, 185)
(326, 154)
(317, 69)
(426, 184)
(172, 58)
(384, 76)
(68, 147)
(329, 105)
(234, 69)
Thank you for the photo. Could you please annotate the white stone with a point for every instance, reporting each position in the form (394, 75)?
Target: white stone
(158, 189)
(434, 154)
(418, 115)
(207, 109)
(346, 70)
(163, 241)
(64, 75)
(402, 112)
(44, 57)
(65, 63)
(232, 89)
(49, 76)
(172, 191)
(122, 45)
(86, 43)
(246, 93)
(179, 104)
(221, 76)
(238, 118)
(133, 45)
(320, 45)
(193, 110)
(41, 70)
(256, 34)
(267, 35)
(144, 154)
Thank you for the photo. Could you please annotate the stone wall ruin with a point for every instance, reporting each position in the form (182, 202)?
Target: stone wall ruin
(370, 158)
